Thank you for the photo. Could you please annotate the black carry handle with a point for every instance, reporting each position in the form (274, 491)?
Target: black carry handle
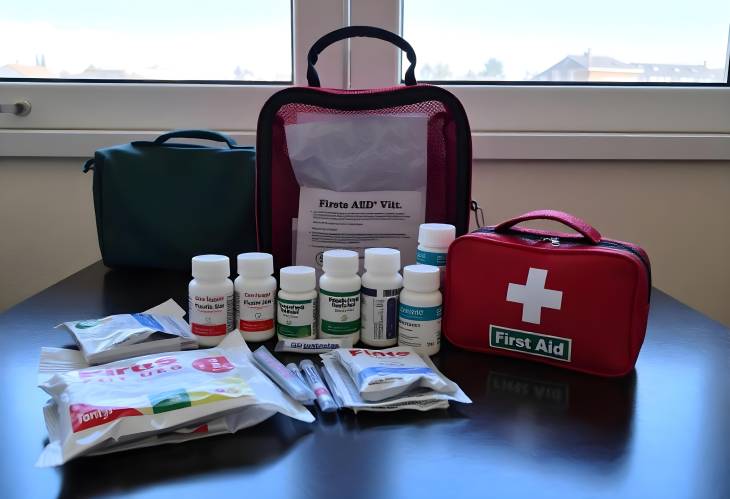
(196, 134)
(359, 31)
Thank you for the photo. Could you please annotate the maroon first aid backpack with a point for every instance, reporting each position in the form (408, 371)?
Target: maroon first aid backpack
(448, 162)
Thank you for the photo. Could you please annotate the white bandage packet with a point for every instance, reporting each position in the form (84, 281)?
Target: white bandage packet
(117, 405)
(382, 374)
(347, 395)
(161, 329)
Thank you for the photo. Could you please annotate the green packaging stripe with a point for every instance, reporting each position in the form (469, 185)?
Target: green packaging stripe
(429, 258)
(170, 401)
(419, 313)
(350, 327)
(333, 293)
(282, 300)
(294, 331)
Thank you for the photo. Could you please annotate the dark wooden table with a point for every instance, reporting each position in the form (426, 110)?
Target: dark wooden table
(663, 431)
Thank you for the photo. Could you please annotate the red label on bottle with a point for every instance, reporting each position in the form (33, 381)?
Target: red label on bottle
(208, 329)
(253, 326)
(84, 416)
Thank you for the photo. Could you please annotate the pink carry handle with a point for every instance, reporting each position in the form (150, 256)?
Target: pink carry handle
(575, 223)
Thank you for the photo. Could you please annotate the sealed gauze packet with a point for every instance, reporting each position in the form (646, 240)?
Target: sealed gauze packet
(115, 337)
(119, 402)
(420, 399)
(381, 374)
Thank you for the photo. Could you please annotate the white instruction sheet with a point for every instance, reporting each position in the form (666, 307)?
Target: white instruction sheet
(357, 220)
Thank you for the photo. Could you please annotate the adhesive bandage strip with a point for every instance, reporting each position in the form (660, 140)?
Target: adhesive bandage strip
(311, 346)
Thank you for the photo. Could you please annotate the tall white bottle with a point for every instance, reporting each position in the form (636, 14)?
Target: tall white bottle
(381, 287)
(339, 296)
(419, 315)
(433, 245)
(255, 290)
(210, 299)
(296, 307)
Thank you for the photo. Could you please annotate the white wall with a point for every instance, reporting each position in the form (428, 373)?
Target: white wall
(46, 224)
(677, 211)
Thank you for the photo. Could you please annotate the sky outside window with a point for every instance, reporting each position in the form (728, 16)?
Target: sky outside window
(621, 40)
(134, 39)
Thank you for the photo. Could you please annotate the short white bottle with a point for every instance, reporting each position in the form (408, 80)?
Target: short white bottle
(339, 296)
(210, 299)
(433, 244)
(255, 290)
(296, 307)
(419, 312)
(381, 287)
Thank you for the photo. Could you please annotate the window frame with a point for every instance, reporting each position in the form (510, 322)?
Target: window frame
(508, 120)
(118, 111)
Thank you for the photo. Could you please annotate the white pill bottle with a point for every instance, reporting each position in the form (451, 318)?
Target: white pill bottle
(255, 296)
(420, 310)
(210, 299)
(433, 244)
(296, 306)
(381, 287)
(339, 296)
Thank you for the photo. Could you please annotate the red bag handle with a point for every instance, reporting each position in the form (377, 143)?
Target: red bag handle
(580, 226)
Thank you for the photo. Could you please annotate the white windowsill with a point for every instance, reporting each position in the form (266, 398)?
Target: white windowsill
(486, 145)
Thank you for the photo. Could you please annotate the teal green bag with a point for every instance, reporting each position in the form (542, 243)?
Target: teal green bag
(159, 203)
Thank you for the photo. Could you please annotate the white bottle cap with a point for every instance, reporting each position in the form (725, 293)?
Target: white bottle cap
(340, 262)
(211, 267)
(382, 260)
(422, 278)
(436, 235)
(255, 264)
(297, 279)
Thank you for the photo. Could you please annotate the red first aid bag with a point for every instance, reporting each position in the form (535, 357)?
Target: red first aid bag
(578, 301)
(447, 151)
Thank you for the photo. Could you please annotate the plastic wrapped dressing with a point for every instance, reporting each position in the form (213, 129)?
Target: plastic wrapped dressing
(421, 399)
(160, 329)
(362, 182)
(105, 407)
(381, 374)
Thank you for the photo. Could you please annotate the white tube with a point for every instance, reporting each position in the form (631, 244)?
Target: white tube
(311, 346)
(282, 376)
(298, 373)
(324, 398)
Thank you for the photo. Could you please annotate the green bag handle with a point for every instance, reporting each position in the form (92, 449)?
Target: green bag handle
(196, 134)
(183, 134)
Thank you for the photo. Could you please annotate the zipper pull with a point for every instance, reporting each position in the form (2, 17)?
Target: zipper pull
(554, 241)
(478, 213)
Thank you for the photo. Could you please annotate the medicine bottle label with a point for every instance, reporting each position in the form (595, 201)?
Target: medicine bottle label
(429, 258)
(419, 327)
(340, 312)
(296, 318)
(255, 310)
(211, 315)
(380, 313)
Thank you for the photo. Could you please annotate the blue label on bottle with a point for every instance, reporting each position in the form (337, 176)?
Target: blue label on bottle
(429, 258)
(411, 313)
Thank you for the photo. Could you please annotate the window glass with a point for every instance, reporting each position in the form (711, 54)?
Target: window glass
(647, 41)
(146, 40)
